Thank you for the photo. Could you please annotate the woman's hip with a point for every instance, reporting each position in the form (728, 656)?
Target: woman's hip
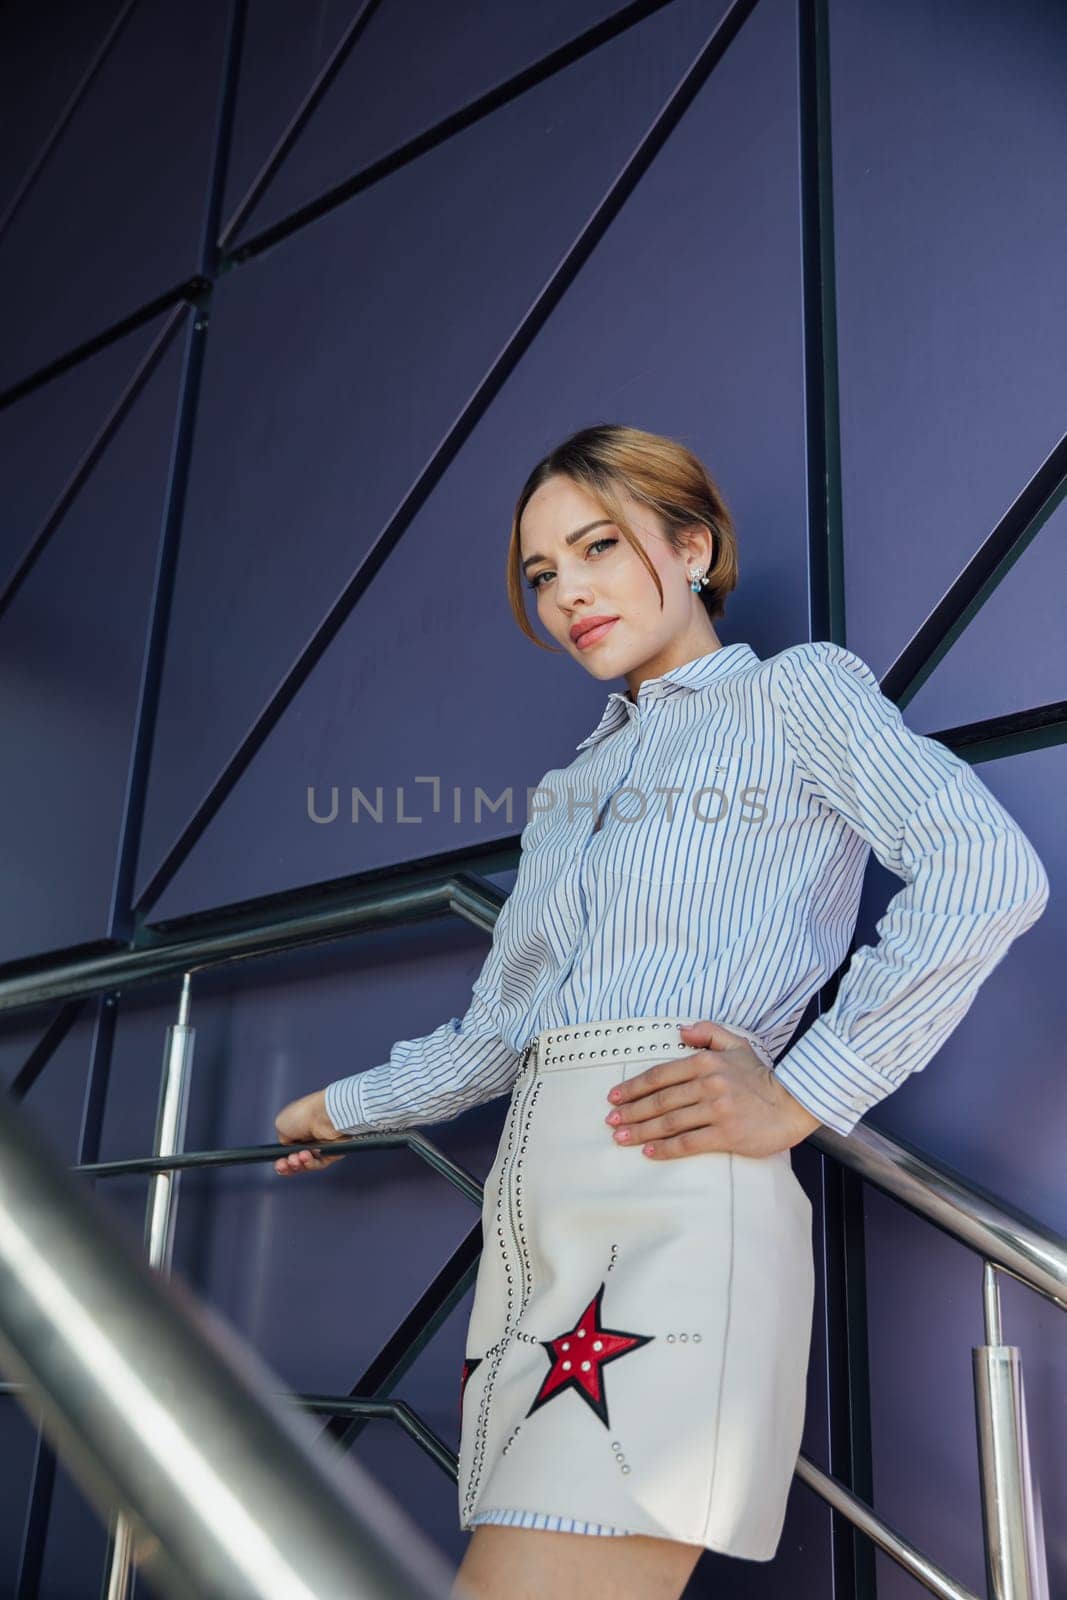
(556, 1139)
(561, 1184)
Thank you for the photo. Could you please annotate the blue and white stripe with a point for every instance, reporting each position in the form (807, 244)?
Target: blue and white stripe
(736, 899)
(513, 1518)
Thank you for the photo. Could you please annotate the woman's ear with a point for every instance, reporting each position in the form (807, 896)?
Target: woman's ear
(699, 545)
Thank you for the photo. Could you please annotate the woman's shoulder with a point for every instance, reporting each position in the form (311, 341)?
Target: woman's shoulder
(817, 679)
(818, 661)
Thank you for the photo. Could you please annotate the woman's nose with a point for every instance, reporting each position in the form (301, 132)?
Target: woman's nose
(571, 588)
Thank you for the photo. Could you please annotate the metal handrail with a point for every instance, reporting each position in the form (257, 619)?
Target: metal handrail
(997, 1232)
(248, 1155)
(313, 919)
(1007, 1239)
(1021, 1246)
(163, 1410)
(1005, 1236)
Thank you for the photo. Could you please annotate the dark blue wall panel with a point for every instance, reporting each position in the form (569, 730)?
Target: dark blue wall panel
(295, 478)
(49, 441)
(72, 657)
(182, 508)
(117, 213)
(950, 200)
(375, 710)
(950, 227)
(50, 50)
(1014, 651)
(400, 92)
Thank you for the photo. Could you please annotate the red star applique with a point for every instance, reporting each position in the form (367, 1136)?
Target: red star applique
(579, 1355)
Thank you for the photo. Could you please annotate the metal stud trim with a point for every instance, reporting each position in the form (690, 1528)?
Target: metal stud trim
(522, 1108)
(664, 1041)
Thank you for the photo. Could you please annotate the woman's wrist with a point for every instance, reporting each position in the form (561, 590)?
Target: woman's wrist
(804, 1121)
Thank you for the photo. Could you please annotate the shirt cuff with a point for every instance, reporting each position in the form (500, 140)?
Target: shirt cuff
(830, 1080)
(344, 1104)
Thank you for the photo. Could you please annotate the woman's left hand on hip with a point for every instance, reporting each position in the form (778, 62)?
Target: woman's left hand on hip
(721, 1098)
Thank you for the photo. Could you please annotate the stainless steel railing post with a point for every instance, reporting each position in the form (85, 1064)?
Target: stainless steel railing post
(1016, 1561)
(160, 1218)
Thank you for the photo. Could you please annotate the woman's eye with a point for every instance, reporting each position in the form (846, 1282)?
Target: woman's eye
(535, 583)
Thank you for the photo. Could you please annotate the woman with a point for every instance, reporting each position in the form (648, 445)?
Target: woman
(638, 1345)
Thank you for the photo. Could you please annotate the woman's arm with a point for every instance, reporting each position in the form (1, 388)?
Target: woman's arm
(463, 1062)
(973, 883)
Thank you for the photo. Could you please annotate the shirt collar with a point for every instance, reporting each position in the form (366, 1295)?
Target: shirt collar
(689, 677)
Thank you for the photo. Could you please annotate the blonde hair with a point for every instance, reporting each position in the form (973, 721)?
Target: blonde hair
(657, 472)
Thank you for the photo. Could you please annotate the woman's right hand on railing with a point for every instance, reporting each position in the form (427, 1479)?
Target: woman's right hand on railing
(305, 1122)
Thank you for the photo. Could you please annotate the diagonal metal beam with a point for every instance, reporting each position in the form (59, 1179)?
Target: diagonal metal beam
(987, 568)
(95, 451)
(45, 1049)
(420, 144)
(297, 123)
(192, 291)
(1015, 734)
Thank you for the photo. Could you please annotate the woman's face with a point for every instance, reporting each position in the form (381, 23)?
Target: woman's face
(598, 574)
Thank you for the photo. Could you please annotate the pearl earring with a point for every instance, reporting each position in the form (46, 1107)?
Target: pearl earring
(697, 580)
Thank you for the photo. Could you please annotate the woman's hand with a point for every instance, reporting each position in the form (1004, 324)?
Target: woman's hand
(722, 1098)
(305, 1121)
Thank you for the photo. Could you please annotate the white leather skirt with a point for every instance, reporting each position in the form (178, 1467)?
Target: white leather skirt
(637, 1352)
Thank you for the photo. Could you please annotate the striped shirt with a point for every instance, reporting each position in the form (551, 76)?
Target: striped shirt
(703, 856)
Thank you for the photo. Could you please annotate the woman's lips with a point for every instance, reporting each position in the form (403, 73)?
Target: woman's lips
(592, 636)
